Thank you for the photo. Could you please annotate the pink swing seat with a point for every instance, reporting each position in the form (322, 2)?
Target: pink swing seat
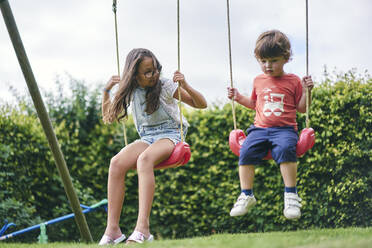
(180, 156)
(305, 142)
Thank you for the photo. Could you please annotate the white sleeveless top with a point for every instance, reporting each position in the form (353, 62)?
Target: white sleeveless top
(168, 106)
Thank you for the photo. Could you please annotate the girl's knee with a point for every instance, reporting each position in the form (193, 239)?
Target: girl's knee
(144, 163)
(118, 166)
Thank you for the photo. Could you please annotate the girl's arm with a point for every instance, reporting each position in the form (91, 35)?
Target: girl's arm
(307, 82)
(189, 95)
(106, 102)
(241, 99)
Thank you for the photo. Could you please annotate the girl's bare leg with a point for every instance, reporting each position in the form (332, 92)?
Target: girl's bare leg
(155, 153)
(119, 166)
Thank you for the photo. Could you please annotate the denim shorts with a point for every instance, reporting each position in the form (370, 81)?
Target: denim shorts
(281, 141)
(150, 134)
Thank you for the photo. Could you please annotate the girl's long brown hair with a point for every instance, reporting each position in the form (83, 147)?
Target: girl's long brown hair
(119, 107)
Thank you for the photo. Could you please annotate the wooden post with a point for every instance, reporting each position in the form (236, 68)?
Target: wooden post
(44, 119)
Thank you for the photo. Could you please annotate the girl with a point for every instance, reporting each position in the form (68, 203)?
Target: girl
(157, 120)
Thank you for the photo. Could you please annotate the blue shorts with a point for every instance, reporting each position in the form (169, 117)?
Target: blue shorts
(281, 141)
(150, 134)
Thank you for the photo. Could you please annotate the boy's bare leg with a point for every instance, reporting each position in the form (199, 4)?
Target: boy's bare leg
(246, 175)
(289, 173)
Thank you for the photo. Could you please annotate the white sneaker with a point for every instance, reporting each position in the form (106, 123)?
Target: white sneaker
(292, 206)
(242, 205)
(139, 237)
(107, 240)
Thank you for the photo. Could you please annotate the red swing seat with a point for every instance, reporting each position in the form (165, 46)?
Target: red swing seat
(180, 156)
(305, 142)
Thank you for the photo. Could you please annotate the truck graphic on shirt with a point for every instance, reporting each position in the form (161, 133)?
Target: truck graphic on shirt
(274, 103)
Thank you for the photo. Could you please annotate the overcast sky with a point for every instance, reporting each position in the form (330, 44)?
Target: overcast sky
(77, 37)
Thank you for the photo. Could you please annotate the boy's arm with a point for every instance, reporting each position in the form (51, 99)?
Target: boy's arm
(247, 102)
(307, 82)
(241, 99)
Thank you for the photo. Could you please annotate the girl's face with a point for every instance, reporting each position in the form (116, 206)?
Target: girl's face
(147, 74)
(273, 66)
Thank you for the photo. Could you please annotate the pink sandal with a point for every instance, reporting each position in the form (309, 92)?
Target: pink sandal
(107, 240)
(139, 237)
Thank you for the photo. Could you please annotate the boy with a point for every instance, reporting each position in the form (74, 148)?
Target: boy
(276, 96)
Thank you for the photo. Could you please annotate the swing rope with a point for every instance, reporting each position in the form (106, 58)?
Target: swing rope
(307, 65)
(230, 62)
(118, 62)
(179, 68)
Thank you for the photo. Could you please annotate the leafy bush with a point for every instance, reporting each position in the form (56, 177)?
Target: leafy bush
(334, 178)
(15, 212)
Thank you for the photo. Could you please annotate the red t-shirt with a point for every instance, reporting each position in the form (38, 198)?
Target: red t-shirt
(276, 100)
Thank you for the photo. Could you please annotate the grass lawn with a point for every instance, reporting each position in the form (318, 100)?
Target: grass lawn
(318, 238)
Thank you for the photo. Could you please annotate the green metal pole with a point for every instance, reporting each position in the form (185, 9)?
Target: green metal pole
(44, 119)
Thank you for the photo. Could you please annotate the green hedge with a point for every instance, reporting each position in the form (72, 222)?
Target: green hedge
(334, 178)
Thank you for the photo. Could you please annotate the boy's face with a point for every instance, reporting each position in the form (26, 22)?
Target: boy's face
(273, 66)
